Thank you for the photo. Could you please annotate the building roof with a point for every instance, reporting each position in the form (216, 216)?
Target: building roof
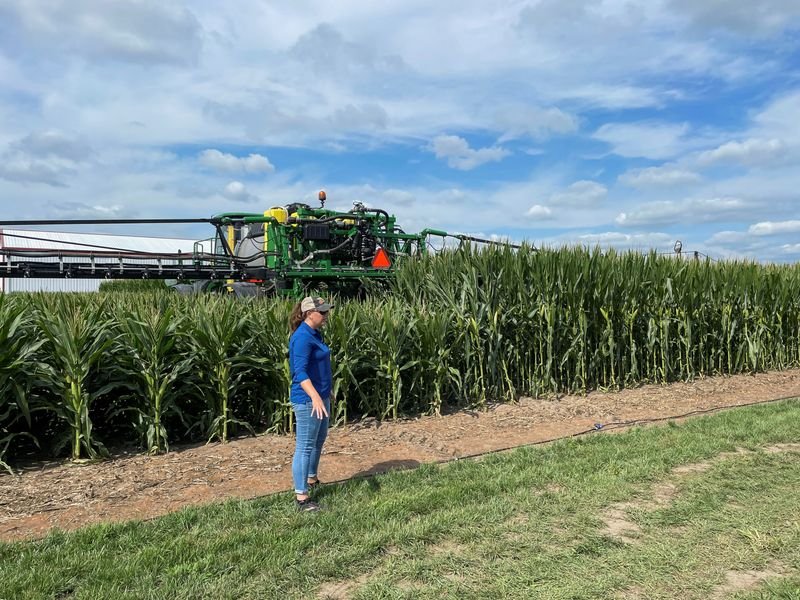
(60, 240)
(95, 248)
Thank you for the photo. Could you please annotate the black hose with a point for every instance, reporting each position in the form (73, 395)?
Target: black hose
(335, 248)
(290, 208)
(326, 251)
(297, 221)
(379, 211)
(484, 241)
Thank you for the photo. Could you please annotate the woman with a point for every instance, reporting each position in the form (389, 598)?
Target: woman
(312, 382)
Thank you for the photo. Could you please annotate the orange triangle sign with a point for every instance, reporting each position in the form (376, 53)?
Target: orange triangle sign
(381, 259)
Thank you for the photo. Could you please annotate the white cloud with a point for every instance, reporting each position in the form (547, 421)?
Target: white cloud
(322, 59)
(612, 96)
(49, 157)
(534, 122)
(26, 170)
(580, 193)
(745, 18)
(774, 228)
(368, 116)
(307, 118)
(348, 94)
(728, 238)
(339, 72)
(80, 210)
(395, 197)
(780, 118)
(539, 212)
(145, 31)
(685, 211)
(327, 51)
(390, 199)
(220, 161)
(459, 155)
(665, 176)
(602, 41)
(648, 140)
(53, 144)
(748, 152)
(767, 241)
(547, 15)
(238, 192)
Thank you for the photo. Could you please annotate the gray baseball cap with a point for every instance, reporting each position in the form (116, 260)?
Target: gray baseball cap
(315, 303)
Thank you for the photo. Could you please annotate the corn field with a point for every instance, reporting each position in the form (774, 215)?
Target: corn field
(463, 328)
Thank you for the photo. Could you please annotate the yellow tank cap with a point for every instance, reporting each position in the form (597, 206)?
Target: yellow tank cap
(279, 213)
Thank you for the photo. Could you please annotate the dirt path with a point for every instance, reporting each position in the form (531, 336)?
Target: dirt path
(69, 496)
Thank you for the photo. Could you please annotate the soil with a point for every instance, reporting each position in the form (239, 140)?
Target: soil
(66, 495)
(739, 581)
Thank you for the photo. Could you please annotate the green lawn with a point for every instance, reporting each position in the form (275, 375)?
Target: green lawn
(697, 517)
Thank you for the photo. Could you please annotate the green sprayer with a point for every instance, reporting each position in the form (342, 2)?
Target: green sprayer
(285, 250)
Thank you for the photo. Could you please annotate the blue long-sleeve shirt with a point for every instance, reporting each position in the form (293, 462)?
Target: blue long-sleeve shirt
(309, 358)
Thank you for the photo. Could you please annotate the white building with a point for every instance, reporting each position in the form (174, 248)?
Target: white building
(21, 239)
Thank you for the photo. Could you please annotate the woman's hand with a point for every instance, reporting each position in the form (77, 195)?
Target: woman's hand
(318, 409)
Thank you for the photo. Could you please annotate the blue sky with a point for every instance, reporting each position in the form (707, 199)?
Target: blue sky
(622, 123)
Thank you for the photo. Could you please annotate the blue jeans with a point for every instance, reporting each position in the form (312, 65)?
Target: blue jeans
(311, 434)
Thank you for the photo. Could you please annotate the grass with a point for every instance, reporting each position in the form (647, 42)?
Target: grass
(523, 524)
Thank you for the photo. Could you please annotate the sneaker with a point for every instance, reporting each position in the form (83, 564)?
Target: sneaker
(307, 505)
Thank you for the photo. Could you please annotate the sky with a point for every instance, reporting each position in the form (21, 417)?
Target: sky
(626, 124)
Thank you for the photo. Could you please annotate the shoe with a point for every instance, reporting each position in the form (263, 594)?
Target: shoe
(307, 505)
(314, 485)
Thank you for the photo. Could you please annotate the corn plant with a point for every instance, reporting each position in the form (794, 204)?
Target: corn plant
(264, 393)
(77, 335)
(461, 328)
(152, 370)
(346, 333)
(133, 286)
(19, 367)
(223, 342)
(389, 351)
(438, 378)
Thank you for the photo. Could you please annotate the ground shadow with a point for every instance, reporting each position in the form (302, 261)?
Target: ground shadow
(377, 469)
